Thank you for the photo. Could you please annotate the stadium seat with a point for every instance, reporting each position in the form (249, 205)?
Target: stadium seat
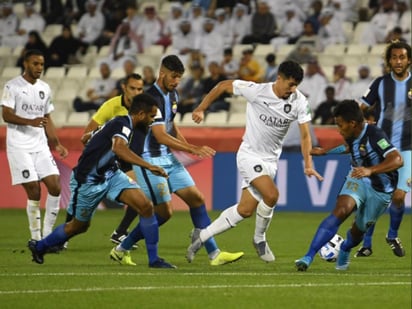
(6, 56)
(154, 50)
(334, 49)
(55, 73)
(239, 48)
(94, 72)
(78, 119)
(59, 117)
(237, 104)
(262, 50)
(103, 51)
(237, 119)
(73, 84)
(10, 72)
(358, 32)
(357, 50)
(77, 72)
(378, 50)
(188, 122)
(217, 119)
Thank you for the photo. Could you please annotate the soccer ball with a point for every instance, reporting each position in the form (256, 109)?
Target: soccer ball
(330, 251)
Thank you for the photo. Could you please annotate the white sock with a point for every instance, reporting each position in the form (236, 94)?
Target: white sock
(50, 216)
(34, 216)
(264, 215)
(227, 219)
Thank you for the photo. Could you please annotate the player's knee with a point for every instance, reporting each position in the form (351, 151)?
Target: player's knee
(271, 198)
(146, 209)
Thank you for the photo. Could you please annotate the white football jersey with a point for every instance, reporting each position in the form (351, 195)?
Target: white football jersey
(28, 101)
(269, 117)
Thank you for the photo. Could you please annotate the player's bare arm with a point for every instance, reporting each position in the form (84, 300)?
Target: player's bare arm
(392, 162)
(10, 116)
(306, 146)
(159, 132)
(123, 152)
(91, 126)
(52, 137)
(220, 88)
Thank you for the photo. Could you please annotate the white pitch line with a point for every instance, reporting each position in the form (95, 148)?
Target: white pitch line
(202, 274)
(191, 287)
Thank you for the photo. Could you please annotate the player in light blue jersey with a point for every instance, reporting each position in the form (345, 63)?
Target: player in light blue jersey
(163, 136)
(390, 97)
(368, 187)
(97, 175)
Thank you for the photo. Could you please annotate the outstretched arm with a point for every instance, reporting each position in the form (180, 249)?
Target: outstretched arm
(306, 146)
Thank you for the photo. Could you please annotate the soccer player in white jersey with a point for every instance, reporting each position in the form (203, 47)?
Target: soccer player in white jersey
(270, 110)
(27, 105)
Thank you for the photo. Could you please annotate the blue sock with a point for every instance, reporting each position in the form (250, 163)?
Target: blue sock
(349, 242)
(396, 215)
(200, 220)
(326, 230)
(57, 237)
(150, 230)
(136, 234)
(367, 241)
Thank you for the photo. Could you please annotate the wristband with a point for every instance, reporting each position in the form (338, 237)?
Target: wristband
(337, 150)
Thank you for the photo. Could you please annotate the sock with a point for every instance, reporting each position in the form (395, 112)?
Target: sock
(50, 216)
(349, 242)
(264, 215)
(201, 220)
(326, 230)
(396, 215)
(69, 217)
(33, 214)
(150, 230)
(367, 240)
(57, 237)
(228, 218)
(129, 215)
(135, 235)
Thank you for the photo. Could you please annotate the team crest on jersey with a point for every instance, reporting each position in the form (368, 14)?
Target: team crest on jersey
(410, 94)
(174, 107)
(287, 108)
(258, 168)
(41, 95)
(362, 150)
(25, 174)
(408, 182)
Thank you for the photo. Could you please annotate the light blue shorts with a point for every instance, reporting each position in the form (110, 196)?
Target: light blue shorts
(370, 204)
(159, 189)
(86, 197)
(404, 178)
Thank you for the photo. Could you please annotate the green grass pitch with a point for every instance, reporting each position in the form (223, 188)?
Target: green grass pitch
(85, 277)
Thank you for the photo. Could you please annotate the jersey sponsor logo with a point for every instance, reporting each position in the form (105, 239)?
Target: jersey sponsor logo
(258, 168)
(25, 174)
(274, 121)
(287, 108)
(383, 143)
(174, 107)
(29, 108)
(362, 150)
(41, 95)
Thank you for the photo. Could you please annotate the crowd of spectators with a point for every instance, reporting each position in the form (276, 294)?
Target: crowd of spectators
(204, 33)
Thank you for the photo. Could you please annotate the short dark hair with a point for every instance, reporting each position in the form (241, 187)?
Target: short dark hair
(173, 63)
(349, 110)
(291, 69)
(32, 52)
(132, 76)
(271, 57)
(142, 102)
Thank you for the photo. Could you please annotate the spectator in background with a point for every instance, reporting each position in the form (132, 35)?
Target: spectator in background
(249, 68)
(129, 66)
(183, 41)
(222, 26)
(263, 25)
(100, 91)
(196, 17)
(91, 24)
(34, 42)
(359, 87)
(172, 23)
(9, 23)
(395, 35)
(215, 76)
(341, 83)
(324, 112)
(292, 141)
(31, 21)
(331, 30)
(132, 17)
(290, 30)
(64, 47)
(210, 43)
(149, 77)
(404, 21)
(124, 46)
(271, 71)
(52, 11)
(240, 24)
(151, 28)
(191, 90)
(313, 18)
(313, 84)
(229, 66)
(73, 10)
(306, 46)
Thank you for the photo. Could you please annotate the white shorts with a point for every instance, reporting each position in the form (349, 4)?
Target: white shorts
(27, 167)
(251, 167)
